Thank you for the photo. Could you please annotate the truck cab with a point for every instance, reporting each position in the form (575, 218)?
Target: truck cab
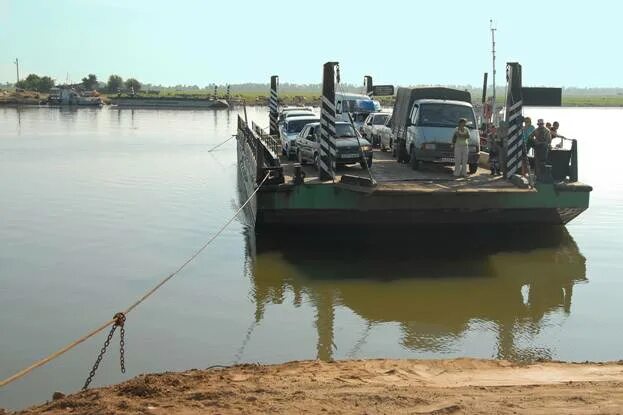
(425, 123)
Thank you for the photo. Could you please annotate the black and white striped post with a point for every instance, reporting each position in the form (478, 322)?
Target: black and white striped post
(272, 106)
(228, 94)
(368, 85)
(514, 141)
(328, 147)
(215, 91)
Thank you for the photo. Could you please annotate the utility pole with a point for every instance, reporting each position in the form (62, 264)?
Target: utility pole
(493, 29)
(17, 67)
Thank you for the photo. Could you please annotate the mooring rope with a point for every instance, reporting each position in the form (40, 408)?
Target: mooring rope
(350, 119)
(218, 145)
(87, 336)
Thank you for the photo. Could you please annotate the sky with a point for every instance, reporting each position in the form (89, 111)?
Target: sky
(197, 42)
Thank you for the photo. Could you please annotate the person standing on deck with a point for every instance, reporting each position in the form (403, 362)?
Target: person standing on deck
(528, 128)
(540, 140)
(554, 132)
(460, 141)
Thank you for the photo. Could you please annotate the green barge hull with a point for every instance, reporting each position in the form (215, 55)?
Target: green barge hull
(335, 205)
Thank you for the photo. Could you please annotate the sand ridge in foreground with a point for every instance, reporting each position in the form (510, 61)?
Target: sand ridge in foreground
(456, 386)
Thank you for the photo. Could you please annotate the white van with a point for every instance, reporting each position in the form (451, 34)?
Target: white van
(359, 106)
(424, 120)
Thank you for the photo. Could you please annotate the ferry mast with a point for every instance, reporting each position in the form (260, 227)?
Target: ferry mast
(493, 29)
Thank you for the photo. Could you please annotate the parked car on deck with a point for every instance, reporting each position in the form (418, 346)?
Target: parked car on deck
(371, 125)
(287, 110)
(289, 131)
(351, 148)
(355, 107)
(297, 113)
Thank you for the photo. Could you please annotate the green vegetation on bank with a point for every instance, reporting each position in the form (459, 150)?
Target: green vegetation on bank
(592, 101)
(290, 94)
(34, 82)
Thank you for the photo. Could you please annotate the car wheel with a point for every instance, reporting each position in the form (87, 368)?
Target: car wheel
(415, 163)
(473, 168)
(316, 161)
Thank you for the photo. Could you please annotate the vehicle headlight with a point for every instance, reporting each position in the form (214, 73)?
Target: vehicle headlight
(429, 146)
(366, 148)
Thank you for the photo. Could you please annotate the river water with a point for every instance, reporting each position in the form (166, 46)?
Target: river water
(97, 205)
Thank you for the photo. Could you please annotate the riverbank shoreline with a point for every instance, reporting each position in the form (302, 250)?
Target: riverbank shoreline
(451, 386)
(30, 98)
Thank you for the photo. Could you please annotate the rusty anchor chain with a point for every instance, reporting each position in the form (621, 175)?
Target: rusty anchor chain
(119, 321)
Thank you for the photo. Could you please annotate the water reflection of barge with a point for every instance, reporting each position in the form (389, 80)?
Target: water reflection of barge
(434, 292)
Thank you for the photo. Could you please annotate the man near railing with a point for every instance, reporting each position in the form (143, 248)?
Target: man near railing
(554, 132)
(540, 140)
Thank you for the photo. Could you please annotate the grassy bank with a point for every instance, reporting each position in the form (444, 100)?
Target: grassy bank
(290, 98)
(313, 98)
(593, 101)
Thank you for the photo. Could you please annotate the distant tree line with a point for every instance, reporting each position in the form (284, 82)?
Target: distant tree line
(34, 82)
(116, 84)
(37, 83)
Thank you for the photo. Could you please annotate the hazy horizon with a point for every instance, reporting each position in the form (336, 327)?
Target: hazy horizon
(190, 42)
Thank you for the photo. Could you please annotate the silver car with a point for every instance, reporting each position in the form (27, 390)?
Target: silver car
(371, 126)
(289, 131)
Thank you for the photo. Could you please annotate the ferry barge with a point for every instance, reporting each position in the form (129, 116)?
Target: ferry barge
(392, 194)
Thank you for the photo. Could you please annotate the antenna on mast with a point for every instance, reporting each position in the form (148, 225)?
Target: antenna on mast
(493, 29)
(17, 66)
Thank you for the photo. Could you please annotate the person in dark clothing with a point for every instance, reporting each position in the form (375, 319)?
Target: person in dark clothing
(495, 152)
(540, 140)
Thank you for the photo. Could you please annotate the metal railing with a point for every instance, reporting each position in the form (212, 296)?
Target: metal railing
(272, 142)
(265, 150)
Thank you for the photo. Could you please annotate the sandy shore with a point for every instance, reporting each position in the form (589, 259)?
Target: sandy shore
(460, 386)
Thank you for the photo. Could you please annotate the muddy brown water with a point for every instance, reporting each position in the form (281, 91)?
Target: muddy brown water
(96, 205)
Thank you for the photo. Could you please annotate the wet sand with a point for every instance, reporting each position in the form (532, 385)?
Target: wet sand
(458, 386)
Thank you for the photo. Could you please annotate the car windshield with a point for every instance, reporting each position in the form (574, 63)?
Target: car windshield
(295, 125)
(359, 117)
(380, 119)
(344, 131)
(445, 115)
